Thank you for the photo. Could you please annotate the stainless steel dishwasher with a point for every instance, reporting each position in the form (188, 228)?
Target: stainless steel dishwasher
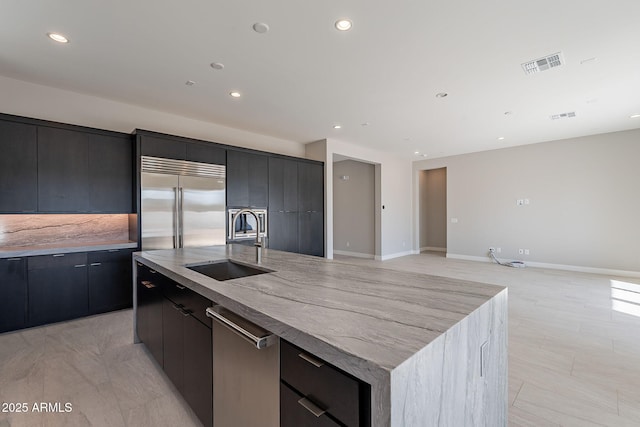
(246, 372)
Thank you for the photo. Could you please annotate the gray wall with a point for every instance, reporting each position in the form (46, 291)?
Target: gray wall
(433, 209)
(353, 207)
(584, 198)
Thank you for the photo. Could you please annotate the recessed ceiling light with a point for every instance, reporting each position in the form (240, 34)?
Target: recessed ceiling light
(508, 113)
(189, 82)
(58, 37)
(217, 65)
(425, 155)
(416, 152)
(337, 126)
(343, 24)
(364, 124)
(260, 27)
(500, 138)
(634, 116)
(441, 95)
(235, 94)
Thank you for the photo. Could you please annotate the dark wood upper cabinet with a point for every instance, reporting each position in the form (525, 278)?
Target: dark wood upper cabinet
(162, 147)
(206, 153)
(110, 173)
(247, 179)
(311, 187)
(18, 167)
(63, 170)
(283, 185)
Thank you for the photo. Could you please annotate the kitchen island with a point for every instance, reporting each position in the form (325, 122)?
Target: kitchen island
(433, 349)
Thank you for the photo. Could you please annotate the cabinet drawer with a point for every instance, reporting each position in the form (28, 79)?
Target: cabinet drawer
(325, 385)
(112, 255)
(191, 301)
(57, 260)
(294, 414)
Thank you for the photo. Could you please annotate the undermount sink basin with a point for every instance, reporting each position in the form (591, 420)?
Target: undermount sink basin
(227, 270)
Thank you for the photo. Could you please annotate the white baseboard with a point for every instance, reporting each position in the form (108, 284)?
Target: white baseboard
(396, 255)
(433, 249)
(353, 254)
(577, 268)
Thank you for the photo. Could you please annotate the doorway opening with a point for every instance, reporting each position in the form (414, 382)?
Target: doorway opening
(432, 211)
(354, 208)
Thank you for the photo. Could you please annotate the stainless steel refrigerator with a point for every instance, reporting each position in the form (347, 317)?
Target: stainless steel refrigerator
(182, 204)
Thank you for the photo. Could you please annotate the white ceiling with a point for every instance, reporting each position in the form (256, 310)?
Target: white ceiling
(303, 76)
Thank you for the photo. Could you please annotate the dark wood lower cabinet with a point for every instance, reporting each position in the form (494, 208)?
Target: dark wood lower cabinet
(309, 385)
(283, 231)
(294, 414)
(109, 280)
(173, 343)
(149, 315)
(311, 233)
(198, 366)
(13, 294)
(172, 324)
(57, 288)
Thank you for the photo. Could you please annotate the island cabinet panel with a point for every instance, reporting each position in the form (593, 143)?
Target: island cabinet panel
(173, 343)
(110, 176)
(172, 323)
(198, 369)
(109, 280)
(57, 286)
(247, 179)
(149, 311)
(63, 169)
(18, 168)
(13, 294)
(320, 387)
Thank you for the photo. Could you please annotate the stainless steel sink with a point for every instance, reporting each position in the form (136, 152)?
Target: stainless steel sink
(227, 270)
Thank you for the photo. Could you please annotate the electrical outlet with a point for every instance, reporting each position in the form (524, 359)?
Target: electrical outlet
(521, 251)
(348, 244)
(492, 249)
(526, 251)
(499, 250)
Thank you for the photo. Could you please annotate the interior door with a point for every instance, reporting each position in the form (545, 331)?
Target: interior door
(159, 211)
(203, 211)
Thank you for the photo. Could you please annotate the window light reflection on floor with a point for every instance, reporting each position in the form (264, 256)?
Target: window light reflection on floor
(625, 297)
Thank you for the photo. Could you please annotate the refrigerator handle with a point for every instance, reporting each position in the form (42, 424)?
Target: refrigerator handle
(181, 218)
(176, 220)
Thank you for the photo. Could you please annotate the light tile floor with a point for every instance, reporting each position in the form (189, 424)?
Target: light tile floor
(573, 361)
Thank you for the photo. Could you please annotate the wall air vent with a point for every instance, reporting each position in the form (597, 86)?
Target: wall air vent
(563, 115)
(543, 64)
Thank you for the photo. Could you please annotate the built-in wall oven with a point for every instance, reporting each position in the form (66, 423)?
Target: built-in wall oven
(246, 226)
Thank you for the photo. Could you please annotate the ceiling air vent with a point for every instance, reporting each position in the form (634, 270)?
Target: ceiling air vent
(563, 115)
(543, 64)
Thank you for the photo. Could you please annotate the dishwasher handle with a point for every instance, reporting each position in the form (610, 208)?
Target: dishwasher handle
(263, 340)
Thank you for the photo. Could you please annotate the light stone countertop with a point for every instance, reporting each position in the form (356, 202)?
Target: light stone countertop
(24, 251)
(367, 321)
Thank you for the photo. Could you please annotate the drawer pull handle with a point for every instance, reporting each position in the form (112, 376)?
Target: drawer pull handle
(152, 271)
(139, 264)
(79, 265)
(180, 287)
(178, 306)
(14, 259)
(58, 255)
(311, 407)
(95, 264)
(147, 284)
(113, 250)
(315, 362)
